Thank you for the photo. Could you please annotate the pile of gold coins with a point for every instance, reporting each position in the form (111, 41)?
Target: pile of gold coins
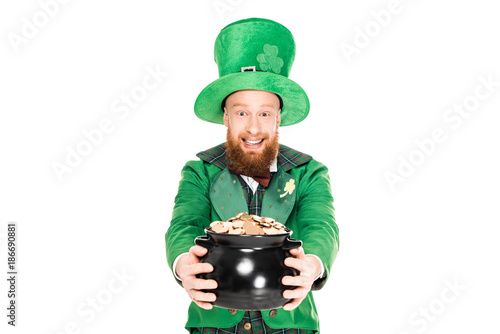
(244, 223)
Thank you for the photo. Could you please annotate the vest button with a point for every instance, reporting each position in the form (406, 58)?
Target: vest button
(232, 311)
(273, 313)
(247, 326)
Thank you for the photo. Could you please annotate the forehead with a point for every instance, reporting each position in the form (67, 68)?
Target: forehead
(253, 98)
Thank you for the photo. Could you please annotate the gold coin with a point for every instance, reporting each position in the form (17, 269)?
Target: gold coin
(250, 228)
(238, 223)
(236, 231)
(256, 218)
(278, 225)
(271, 230)
(220, 228)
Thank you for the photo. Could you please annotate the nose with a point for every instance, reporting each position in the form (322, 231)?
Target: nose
(253, 125)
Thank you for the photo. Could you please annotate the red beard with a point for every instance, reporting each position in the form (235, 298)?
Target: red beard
(251, 164)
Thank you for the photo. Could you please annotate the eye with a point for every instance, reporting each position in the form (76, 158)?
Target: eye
(265, 114)
(240, 113)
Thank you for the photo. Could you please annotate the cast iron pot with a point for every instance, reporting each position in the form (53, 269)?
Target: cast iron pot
(248, 268)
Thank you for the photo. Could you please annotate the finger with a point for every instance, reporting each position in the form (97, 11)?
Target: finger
(296, 280)
(198, 251)
(202, 297)
(199, 284)
(293, 304)
(194, 269)
(295, 293)
(206, 306)
(299, 264)
(298, 252)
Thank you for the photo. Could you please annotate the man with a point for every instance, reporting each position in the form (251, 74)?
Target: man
(252, 98)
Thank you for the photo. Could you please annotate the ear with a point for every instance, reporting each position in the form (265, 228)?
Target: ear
(278, 118)
(226, 118)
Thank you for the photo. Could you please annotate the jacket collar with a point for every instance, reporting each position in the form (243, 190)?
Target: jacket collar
(288, 158)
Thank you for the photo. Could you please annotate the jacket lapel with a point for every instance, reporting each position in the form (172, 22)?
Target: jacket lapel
(227, 195)
(279, 197)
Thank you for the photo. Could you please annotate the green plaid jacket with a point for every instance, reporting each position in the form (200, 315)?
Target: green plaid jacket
(307, 210)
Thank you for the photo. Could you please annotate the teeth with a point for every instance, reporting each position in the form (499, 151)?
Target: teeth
(251, 142)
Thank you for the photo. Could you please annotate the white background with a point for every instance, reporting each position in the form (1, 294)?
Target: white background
(398, 247)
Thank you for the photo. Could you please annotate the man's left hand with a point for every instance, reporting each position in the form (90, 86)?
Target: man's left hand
(309, 267)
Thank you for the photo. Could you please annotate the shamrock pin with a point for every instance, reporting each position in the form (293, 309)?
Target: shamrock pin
(269, 60)
(289, 188)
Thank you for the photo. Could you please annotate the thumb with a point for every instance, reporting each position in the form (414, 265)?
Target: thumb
(297, 252)
(198, 251)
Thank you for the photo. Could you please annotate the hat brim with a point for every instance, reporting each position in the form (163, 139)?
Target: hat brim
(295, 101)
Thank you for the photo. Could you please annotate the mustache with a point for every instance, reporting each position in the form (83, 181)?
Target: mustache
(259, 135)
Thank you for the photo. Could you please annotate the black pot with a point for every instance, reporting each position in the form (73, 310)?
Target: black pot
(248, 268)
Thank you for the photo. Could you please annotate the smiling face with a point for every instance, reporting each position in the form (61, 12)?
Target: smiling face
(252, 118)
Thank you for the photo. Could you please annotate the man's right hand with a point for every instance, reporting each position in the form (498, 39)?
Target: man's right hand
(188, 266)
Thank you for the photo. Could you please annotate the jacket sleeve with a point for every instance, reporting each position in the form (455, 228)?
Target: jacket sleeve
(315, 217)
(191, 214)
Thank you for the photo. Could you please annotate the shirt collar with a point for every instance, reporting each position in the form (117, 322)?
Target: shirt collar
(274, 166)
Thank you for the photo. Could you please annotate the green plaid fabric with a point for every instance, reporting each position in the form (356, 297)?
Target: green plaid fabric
(254, 318)
(254, 201)
(288, 158)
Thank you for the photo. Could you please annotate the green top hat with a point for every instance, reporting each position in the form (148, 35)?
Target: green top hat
(256, 54)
